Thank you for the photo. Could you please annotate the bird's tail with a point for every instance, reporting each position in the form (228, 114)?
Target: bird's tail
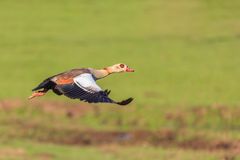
(46, 84)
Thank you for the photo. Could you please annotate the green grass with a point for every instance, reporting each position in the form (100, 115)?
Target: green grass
(29, 150)
(184, 52)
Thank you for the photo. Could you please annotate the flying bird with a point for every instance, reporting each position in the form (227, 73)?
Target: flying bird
(81, 84)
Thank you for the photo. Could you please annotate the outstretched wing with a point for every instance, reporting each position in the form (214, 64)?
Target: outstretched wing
(84, 87)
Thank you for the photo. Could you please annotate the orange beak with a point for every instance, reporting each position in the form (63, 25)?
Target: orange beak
(130, 70)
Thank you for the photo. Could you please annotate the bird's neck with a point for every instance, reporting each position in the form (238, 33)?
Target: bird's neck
(101, 73)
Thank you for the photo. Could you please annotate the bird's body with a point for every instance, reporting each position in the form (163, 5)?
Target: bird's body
(81, 84)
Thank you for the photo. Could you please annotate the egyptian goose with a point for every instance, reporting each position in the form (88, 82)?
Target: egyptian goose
(81, 84)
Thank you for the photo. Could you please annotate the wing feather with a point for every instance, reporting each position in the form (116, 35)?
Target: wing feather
(84, 87)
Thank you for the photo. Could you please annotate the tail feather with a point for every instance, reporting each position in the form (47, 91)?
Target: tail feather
(46, 84)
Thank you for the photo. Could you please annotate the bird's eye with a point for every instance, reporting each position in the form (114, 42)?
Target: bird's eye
(122, 65)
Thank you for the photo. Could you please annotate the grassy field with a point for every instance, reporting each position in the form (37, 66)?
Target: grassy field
(39, 151)
(186, 58)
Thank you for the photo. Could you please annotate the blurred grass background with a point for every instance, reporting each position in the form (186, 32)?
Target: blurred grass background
(185, 54)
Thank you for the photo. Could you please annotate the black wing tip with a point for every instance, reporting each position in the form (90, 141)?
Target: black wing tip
(107, 91)
(125, 102)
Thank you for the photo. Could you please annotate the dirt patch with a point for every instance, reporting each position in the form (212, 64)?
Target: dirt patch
(197, 143)
(163, 138)
(50, 106)
(45, 156)
(17, 152)
(63, 108)
(8, 104)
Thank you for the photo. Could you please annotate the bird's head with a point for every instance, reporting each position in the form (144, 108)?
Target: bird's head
(117, 68)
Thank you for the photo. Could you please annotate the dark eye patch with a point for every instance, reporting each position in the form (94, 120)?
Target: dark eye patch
(122, 65)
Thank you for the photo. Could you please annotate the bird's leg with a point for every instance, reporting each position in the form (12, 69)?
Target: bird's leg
(38, 94)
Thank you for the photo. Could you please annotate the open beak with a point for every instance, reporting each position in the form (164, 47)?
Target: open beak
(130, 70)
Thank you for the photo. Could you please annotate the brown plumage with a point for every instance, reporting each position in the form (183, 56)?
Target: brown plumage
(67, 77)
(80, 84)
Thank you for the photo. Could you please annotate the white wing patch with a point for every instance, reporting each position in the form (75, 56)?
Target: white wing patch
(87, 83)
